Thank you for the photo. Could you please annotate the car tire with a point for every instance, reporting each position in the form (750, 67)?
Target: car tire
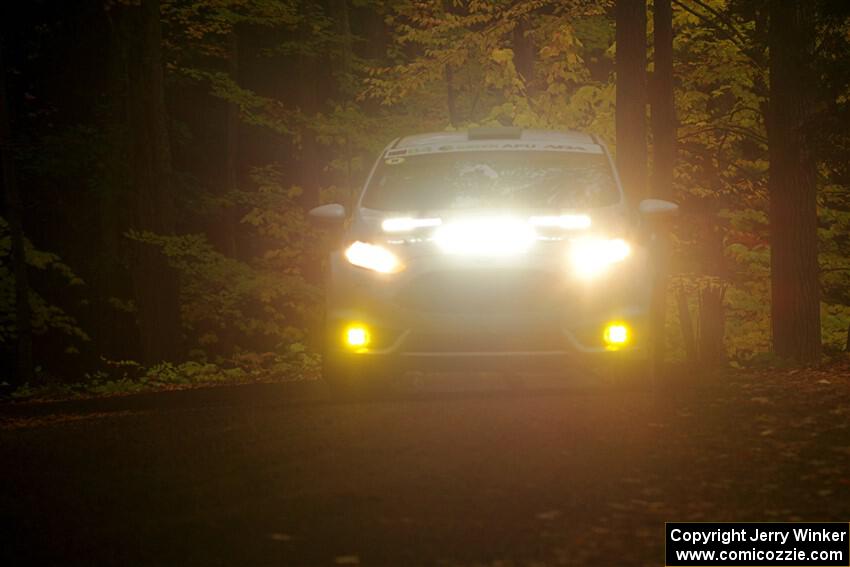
(353, 378)
(631, 374)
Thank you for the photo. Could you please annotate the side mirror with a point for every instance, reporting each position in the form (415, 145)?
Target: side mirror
(658, 208)
(328, 214)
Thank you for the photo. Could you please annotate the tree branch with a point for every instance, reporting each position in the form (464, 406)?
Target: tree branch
(731, 36)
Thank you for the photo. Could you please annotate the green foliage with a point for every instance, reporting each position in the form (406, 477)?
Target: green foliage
(721, 177)
(254, 109)
(262, 303)
(560, 94)
(201, 28)
(46, 316)
(230, 305)
(318, 89)
(128, 377)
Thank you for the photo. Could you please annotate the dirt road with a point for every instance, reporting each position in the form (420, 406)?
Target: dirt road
(276, 474)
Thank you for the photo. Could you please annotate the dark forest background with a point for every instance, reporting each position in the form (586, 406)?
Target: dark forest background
(159, 157)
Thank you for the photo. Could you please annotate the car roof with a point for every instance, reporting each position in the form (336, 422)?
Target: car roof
(495, 134)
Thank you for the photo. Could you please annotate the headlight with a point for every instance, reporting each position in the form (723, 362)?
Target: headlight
(373, 257)
(592, 256)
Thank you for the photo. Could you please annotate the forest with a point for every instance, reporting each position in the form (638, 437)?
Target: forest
(159, 158)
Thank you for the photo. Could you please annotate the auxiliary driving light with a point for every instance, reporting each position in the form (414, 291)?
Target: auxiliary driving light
(357, 336)
(616, 336)
(568, 222)
(498, 236)
(406, 224)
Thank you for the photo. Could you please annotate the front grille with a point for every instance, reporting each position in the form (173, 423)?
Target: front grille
(533, 341)
(480, 291)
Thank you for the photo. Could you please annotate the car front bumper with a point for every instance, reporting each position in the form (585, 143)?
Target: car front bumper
(486, 313)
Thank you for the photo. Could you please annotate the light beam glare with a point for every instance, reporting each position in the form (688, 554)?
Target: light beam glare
(567, 222)
(406, 224)
(592, 256)
(373, 257)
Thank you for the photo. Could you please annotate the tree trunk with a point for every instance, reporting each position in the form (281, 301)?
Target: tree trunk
(232, 137)
(663, 107)
(631, 97)
(712, 351)
(155, 283)
(450, 95)
(345, 77)
(449, 74)
(14, 216)
(664, 158)
(231, 159)
(687, 325)
(795, 289)
(523, 53)
(115, 331)
(342, 24)
(307, 96)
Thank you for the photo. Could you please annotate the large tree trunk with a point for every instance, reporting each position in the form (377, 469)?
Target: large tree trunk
(231, 149)
(307, 97)
(631, 96)
(663, 108)
(232, 136)
(448, 72)
(664, 157)
(18, 261)
(345, 76)
(155, 283)
(795, 290)
(524, 53)
(342, 26)
(115, 331)
(450, 95)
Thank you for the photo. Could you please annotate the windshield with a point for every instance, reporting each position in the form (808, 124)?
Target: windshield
(492, 179)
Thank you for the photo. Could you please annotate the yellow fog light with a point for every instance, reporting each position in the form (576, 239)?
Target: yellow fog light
(616, 336)
(357, 336)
